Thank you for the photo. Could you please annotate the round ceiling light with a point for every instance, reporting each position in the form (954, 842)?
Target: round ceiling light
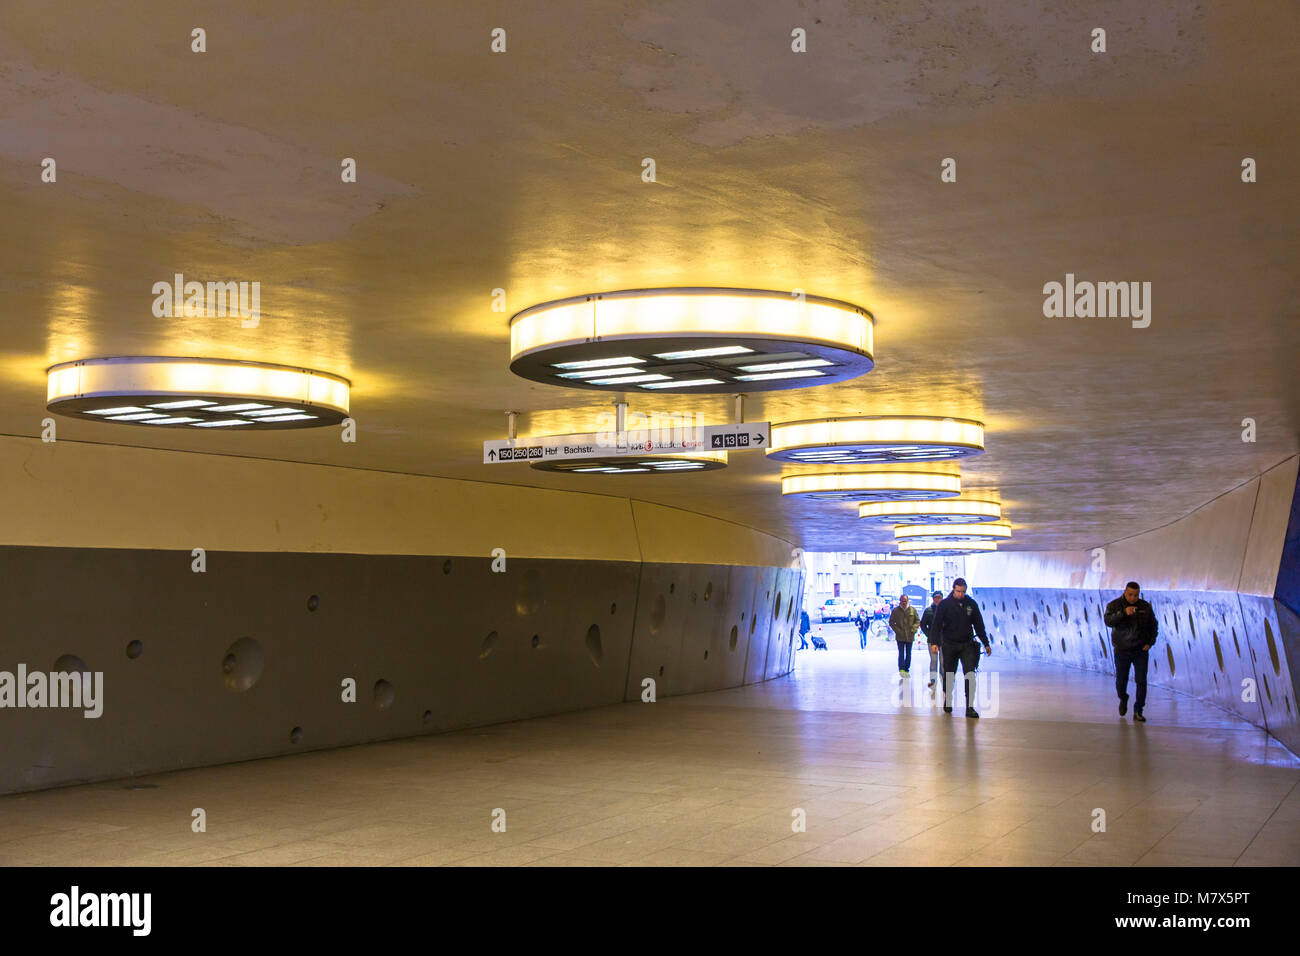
(987, 531)
(873, 486)
(637, 464)
(951, 510)
(691, 340)
(196, 393)
(942, 549)
(875, 439)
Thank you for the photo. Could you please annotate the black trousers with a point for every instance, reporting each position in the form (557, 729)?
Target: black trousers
(1138, 661)
(969, 656)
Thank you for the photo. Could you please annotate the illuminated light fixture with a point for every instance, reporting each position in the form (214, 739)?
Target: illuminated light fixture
(598, 372)
(873, 486)
(987, 531)
(599, 363)
(938, 549)
(954, 510)
(687, 334)
(133, 389)
(781, 366)
(809, 373)
(703, 353)
(189, 403)
(876, 440)
(641, 464)
(685, 383)
(625, 379)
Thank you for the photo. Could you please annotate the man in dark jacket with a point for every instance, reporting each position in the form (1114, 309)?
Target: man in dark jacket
(903, 623)
(805, 626)
(927, 628)
(957, 621)
(1133, 629)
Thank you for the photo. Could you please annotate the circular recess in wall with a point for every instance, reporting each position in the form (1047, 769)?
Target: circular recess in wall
(196, 393)
(1191, 623)
(613, 609)
(1235, 642)
(1065, 610)
(872, 486)
(384, 694)
(661, 670)
(1176, 629)
(1015, 639)
(648, 464)
(735, 636)
(1035, 620)
(691, 340)
(428, 716)
(753, 621)
(295, 735)
(594, 649)
(537, 640)
(672, 587)
(706, 654)
(1169, 652)
(528, 599)
(313, 602)
(70, 664)
(1272, 647)
(134, 649)
(876, 440)
(241, 667)
(1062, 645)
(1102, 642)
(776, 611)
(1085, 615)
(1267, 690)
(489, 645)
(446, 566)
(1218, 651)
(708, 590)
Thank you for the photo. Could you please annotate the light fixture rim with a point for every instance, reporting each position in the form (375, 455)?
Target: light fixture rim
(878, 418)
(702, 290)
(969, 518)
(247, 363)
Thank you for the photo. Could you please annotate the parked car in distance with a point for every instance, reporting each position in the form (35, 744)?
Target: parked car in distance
(837, 609)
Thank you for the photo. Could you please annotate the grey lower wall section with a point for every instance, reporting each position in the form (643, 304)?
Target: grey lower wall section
(1239, 651)
(247, 659)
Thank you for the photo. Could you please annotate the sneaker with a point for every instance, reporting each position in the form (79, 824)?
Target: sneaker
(932, 683)
(907, 673)
(970, 712)
(1137, 716)
(902, 673)
(1123, 706)
(947, 710)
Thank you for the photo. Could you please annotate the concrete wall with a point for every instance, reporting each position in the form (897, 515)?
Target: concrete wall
(1216, 580)
(317, 574)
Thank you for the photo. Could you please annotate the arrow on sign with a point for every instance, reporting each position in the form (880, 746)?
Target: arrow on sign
(492, 455)
(758, 439)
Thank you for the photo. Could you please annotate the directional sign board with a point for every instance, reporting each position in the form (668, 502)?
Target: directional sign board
(744, 436)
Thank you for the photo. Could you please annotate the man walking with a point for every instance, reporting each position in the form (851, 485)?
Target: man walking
(903, 623)
(927, 628)
(805, 626)
(1133, 629)
(955, 619)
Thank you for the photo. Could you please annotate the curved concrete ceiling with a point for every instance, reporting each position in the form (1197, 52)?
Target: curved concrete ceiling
(819, 171)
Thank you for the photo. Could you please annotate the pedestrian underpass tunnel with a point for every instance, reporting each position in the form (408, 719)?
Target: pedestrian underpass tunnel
(396, 414)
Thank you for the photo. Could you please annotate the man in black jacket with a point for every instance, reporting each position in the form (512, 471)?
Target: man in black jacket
(957, 621)
(927, 628)
(1133, 629)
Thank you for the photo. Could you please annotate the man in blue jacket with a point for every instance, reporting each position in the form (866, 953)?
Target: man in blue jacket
(957, 621)
(1133, 629)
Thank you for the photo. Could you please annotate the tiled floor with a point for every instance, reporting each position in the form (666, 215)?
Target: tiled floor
(721, 778)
